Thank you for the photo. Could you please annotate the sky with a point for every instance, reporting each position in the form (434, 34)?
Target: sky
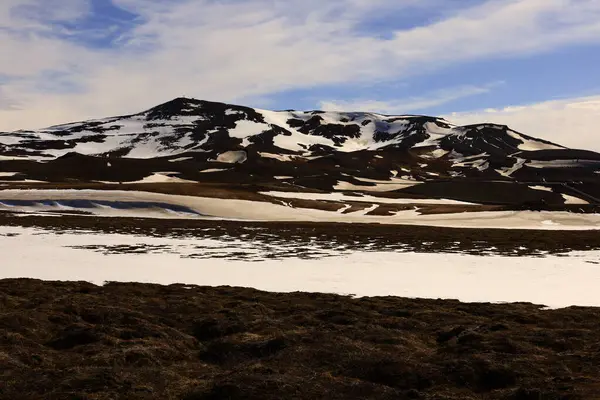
(530, 64)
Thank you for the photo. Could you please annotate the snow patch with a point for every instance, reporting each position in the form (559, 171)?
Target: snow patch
(13, 158)
(163, 177)
(25, 181)
(233, 157)
(361, 199)
(280, 157)
(245, 128)
(292, 142)
(214, 170)
(366, 210)
(544, 188)
(573, 200)
(435, 133)
(181, 159)
(438, 153)
(346, 207)
(477, 161)
(411, 182)
(507, 172)
(531, 145)
(380, 187)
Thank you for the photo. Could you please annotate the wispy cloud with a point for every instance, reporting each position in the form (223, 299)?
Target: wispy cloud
(570, 122)
(234, 49)
(404, 106)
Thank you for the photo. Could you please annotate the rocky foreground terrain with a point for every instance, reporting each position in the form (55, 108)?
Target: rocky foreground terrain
(142, 341)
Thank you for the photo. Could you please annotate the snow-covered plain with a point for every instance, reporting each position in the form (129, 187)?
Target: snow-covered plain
(204, 207)
(553, 281)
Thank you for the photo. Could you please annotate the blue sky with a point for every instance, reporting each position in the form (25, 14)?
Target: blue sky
(529, 63)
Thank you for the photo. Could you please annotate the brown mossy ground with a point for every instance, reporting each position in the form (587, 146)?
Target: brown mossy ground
(141, 341)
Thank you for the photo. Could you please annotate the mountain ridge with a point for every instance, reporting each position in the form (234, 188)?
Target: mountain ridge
(204, 120)
(214, 143)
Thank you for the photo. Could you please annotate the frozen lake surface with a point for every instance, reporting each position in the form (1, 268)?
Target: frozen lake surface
(553, 280)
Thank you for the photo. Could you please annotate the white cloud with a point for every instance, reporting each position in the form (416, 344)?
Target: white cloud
(571, 122)
(405, 106)
(31, 42)
(231, 50)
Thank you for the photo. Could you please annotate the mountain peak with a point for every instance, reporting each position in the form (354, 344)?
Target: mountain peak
(177, 106)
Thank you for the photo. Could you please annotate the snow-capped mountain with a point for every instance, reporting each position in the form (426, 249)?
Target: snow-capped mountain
(201, 141)
(184, 125)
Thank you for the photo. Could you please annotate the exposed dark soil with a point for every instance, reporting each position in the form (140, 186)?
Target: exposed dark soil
(141, 341)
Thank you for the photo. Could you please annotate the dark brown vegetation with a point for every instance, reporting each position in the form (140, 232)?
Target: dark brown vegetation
(142, 341)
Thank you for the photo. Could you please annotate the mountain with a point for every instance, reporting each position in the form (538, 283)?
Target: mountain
(232, 146)
(183, 125)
